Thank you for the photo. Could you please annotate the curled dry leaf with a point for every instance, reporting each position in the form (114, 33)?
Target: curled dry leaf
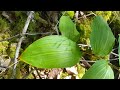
(54, 73)
(72, 70)
(4, 61)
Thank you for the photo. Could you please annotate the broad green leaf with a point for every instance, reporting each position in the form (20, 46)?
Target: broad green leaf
(68, 28)
(99, 70)
(52, 52)
(119, 49)
(101, 38)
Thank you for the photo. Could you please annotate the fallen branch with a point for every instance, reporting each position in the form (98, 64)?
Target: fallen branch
(86, 64)
(37, 72)
(10, 38)
(114, 54)
(115, 67)
(7, 67)
(19, 43)
(76, 16)
(46, 33)
(83, 45)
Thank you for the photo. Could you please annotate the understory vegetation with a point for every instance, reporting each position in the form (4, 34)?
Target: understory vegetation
(59, 44)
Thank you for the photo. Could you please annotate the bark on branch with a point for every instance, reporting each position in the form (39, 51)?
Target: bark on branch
(19, 43)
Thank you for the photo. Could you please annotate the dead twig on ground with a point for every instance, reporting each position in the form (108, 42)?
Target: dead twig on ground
(114, 54)
(76, 16)
(7, 67)
(10, 38)
(46, 33)
(19, 43)
(86, 64)
(37, 72)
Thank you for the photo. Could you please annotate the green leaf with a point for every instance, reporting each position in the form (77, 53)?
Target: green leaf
(52, 52)
(119, 49)
(101, 38)
(68, 28)
(99, 70)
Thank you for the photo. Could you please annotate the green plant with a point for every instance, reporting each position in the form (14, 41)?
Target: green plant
(61, 51)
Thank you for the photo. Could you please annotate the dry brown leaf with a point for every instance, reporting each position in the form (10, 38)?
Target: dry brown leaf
(72, 70)
(54, 73)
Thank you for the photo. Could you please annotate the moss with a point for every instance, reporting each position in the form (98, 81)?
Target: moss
(81, 71)
(63, 75)
(32, 26)
(19, 22)
(4, 44)
(18, 72)
(115, 23)
(70, 13)
(9, 73)
(3, 25)
(12, 50)
(84, 27)
(36, 16)
(85, 30)
(105, 14)
(19, 25)
(30, 76)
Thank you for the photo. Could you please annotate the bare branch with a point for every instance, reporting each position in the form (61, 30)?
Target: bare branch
(87, 15)
(114, 54)
(88, 61)
(37, 72)
(56, 28)
(115, 67)
(20, 41)
(39, 33)
(76, 16)
(7, 67)
(10, 38)
(114, 49)
(114, 59)
(87, 65)
(83, 45)
(25, 34)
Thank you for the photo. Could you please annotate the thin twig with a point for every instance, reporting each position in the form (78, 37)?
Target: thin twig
(119, 76)
(114, 54)
(8, 67)
(115, 67)
(76, 16)
(87, 65)
(83, 45)
(96, 60)
(19, 43)
(37, 72)
(114, 59)
(88, 61)
(88, 15)
(114, 49)
(10, 38)
(38, 33)
(56, 28)
(114, 17)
